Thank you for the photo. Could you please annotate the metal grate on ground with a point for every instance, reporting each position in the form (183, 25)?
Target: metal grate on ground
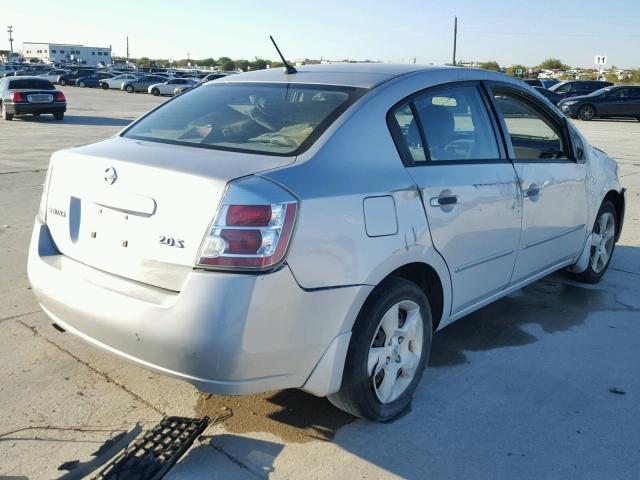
(151, 457)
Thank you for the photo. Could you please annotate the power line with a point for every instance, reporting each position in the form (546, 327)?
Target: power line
(595, 35)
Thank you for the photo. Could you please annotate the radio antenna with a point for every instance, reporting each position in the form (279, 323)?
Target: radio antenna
(288, 69)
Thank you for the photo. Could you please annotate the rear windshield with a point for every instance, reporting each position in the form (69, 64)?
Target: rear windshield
(35, 83)
(274, 119)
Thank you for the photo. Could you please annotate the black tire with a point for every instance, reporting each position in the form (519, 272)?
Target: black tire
(62, 82)
(638, 118)
(586, 112)
(130, 89)
(58, 115)
(104, 86)
(155, 92)
(82, 85)
(590, 275)
(357, 395)
(6, 115)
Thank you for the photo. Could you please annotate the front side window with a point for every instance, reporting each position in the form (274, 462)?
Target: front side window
(618, 93)
(532, 135)
(276, 119)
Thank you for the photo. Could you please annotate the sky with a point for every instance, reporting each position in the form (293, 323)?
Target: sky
(396, 31)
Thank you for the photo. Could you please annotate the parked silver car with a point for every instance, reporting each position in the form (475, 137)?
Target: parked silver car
(312, 230)
(168, 87)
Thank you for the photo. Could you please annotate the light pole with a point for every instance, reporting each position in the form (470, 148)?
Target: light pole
(10, 30)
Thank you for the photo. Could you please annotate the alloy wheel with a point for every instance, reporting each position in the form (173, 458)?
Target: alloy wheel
(395, 351)
(602, 240)
(586, 112)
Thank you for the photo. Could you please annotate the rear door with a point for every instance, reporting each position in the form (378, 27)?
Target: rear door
(447, 139)
(615, 102)
(633, 103)
(552, 183)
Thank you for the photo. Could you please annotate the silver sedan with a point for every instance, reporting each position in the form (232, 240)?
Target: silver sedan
(168, 87)
(313, 229)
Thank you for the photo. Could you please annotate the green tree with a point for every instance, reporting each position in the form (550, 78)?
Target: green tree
(258, 64)
(144, 61)
(491, 65)
(612, 75)
(228, 65)
(514, 68)
(242, 65)
(553, 64)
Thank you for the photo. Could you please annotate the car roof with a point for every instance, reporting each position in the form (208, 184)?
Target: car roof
(363, 75)
(28, 77)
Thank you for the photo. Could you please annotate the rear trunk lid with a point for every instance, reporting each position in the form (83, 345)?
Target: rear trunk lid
(140, 209)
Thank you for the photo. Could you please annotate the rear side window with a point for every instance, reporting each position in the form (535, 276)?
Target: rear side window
(34, 83)
(275, 119)
(453, 122)
(532, 135)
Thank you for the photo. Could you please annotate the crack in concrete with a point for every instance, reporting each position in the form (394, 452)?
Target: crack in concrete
(24, 171)
(93, 369)
(18, 316)
(235, 460)
(623, 271)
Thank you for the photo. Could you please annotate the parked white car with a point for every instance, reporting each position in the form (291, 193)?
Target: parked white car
(54, 74)
(313, 229)
(168, 87)
(117, 81)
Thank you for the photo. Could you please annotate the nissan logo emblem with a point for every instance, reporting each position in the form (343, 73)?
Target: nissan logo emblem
(110, 175)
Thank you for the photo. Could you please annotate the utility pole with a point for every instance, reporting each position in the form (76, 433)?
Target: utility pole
(127, 48)
(10, 30)
(455, 39)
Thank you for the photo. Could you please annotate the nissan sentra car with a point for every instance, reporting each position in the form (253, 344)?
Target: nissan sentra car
(312, 230)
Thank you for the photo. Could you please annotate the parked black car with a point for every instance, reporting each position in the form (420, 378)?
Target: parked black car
(544, 83)
(30, 95)
(92, 80)
(70, 78)
(553, 97)
(620, 101)
(574, 88)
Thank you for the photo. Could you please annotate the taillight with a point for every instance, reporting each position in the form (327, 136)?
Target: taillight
(17, 97)
(60, 97)
(42, 211)
(249, 236)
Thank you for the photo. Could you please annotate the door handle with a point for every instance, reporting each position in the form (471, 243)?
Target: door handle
(443, 201)
(532, 191)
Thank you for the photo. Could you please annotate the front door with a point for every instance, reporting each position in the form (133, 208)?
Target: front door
(552, 183)
(469, 188)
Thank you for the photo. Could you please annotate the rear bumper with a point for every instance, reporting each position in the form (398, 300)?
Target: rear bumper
(224, 333)
(27, 108)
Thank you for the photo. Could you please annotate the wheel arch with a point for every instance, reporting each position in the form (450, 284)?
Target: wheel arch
(617, 198)
(427, 278)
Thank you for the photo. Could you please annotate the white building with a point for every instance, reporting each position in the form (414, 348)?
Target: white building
(65, 53)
